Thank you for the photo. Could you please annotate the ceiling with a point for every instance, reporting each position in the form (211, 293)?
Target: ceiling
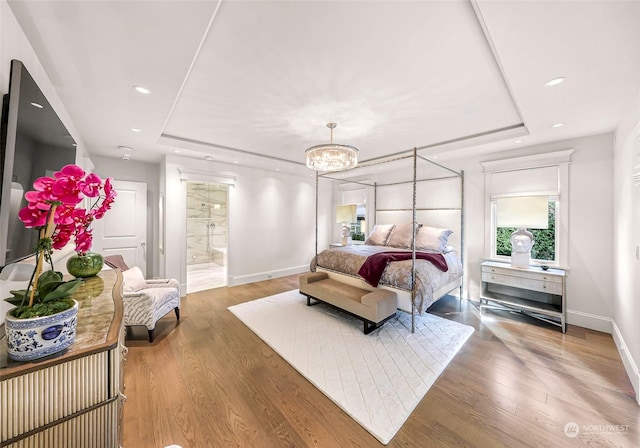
(255, 82)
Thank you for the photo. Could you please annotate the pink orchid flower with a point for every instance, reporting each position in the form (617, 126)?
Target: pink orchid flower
(66, 190)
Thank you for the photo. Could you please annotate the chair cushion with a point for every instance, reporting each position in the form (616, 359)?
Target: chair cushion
(133, 280)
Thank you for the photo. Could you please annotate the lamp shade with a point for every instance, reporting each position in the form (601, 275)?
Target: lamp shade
(523, 212)
(346, 213)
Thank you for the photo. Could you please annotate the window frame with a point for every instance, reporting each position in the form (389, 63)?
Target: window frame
(559, 159)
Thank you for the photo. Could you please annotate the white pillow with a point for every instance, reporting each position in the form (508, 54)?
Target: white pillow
(379, 235)
(401, 236)
(133, 280)
(432, 238)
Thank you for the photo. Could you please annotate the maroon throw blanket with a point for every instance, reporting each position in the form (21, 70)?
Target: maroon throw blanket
(373, 267)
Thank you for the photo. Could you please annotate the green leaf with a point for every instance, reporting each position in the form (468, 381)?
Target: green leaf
(48, 281)
(22, 293)
(17, 301)
(63, 290)
(19, 297)
(49, 276)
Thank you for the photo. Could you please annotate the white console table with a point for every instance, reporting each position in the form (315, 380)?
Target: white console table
(531, 291)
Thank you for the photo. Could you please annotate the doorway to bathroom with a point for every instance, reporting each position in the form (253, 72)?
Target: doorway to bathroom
(207, 218)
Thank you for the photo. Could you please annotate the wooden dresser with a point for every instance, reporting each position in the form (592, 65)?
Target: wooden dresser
(73, 399)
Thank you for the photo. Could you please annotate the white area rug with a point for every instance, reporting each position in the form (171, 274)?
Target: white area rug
(378, 379)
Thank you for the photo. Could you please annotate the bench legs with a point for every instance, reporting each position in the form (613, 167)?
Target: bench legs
(309, 300)
(368, 325)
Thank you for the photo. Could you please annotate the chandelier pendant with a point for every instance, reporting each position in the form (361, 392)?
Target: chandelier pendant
(332, 156)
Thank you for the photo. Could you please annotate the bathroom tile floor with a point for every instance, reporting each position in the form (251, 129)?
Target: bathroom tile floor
(205, 276)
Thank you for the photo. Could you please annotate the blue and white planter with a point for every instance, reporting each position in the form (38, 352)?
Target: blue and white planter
(30, 339)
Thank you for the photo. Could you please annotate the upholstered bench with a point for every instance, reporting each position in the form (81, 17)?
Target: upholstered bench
(373, 307)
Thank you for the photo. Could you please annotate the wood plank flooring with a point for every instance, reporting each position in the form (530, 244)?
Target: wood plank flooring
(208, 381)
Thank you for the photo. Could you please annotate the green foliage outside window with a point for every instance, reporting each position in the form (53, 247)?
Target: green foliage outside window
(545, 239)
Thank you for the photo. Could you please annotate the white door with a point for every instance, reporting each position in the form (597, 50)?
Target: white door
(123, 229)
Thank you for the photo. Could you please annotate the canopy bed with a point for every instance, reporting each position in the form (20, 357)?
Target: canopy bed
(415, 247)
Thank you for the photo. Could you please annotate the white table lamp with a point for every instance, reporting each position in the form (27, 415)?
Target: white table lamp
(345, 215)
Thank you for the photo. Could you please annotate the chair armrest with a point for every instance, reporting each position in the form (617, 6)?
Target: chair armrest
(137, 297)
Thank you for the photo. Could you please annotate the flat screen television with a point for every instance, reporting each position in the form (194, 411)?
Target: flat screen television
(33, 143)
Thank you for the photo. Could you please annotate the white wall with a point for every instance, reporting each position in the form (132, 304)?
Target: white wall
(271, 220)
(130, 170)
(626, 215)
(590, 280)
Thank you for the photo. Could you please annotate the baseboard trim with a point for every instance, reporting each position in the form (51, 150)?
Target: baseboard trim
(630, 365)
(259, 276)
(591, 321)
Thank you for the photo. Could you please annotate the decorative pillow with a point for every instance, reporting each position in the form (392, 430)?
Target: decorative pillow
(133, 280)
(401, 236)
(432, 238)
(379, 235)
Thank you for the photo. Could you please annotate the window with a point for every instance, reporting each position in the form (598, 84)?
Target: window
(546, 240)
(534, 175)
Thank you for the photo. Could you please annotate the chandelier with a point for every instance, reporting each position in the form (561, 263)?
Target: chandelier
(332, 156)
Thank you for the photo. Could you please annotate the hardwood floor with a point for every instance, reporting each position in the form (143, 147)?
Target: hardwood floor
(208, 381)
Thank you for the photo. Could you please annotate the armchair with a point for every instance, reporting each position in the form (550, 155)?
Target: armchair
(147, 301)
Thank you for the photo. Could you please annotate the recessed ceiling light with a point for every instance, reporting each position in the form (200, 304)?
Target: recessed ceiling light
(136, 130)
(38, 105)
(125, 148)
(208, 158)
(177, 151)
(141, 89)
(554, 81)
(518, 141)
(235, 161)
(277, 169)
(434, 157)
(557, 125)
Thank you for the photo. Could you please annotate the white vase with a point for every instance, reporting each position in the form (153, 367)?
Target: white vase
(37, 337)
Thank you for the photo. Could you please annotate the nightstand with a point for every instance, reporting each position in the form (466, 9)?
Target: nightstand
(531, 291)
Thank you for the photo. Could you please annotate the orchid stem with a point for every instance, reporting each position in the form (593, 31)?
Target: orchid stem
(44, 233)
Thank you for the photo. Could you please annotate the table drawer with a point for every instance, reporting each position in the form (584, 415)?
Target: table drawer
(524, 274)
(534, 284)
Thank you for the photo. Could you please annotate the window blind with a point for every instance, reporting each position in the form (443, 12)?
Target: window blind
(539, 181)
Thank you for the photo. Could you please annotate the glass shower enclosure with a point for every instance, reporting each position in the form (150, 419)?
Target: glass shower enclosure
(207, 217)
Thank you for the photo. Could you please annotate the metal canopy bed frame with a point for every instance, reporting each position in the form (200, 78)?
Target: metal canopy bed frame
(362, 174)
